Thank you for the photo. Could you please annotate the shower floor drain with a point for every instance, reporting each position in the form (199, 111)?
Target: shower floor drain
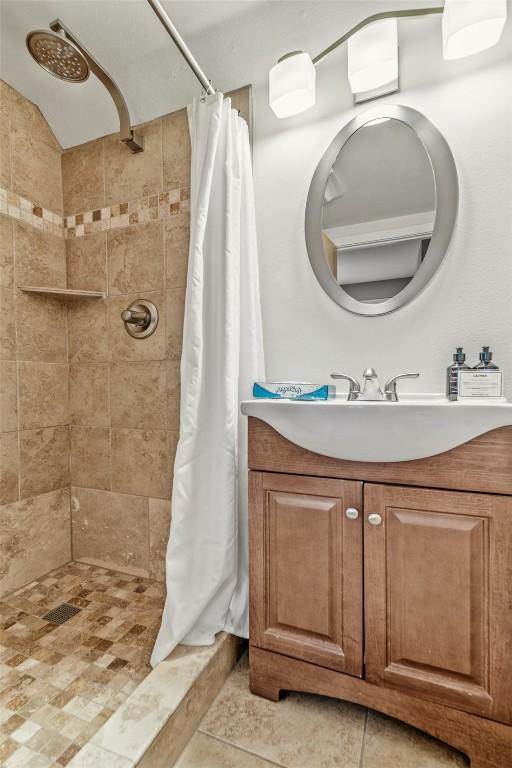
(61, 613)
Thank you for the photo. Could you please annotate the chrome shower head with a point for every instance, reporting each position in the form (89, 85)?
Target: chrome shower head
(58, 56)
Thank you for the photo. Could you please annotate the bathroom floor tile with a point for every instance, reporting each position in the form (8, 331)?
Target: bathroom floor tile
(306, 731)
(392, 744)
(59, 684)
(300, 731)
(207, 751)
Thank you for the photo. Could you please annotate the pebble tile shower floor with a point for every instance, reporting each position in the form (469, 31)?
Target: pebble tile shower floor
(60, 683)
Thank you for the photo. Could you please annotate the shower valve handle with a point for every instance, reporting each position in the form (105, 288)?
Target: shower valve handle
(136, 317)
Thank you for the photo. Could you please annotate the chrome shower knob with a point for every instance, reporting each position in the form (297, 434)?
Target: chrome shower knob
(140, 319)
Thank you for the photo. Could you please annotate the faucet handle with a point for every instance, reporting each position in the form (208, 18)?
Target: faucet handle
(355, 389)
(390, 392)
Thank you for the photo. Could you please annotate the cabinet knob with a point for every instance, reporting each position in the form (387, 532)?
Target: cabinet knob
(374, 519)
(352, 513)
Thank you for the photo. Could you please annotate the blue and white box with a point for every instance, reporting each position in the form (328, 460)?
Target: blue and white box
(293, 390)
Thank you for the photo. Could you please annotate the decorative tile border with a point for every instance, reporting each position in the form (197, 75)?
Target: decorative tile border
(144, 209)
(20, 208)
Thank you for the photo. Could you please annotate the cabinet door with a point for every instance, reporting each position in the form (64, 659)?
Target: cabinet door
(306, 569)
(438, 600)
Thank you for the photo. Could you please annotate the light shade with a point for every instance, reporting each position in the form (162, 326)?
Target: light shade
(373, 56)
(471, 26)
(292, 85)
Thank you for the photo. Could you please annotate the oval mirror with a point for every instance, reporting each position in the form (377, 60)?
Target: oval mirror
(381, 210)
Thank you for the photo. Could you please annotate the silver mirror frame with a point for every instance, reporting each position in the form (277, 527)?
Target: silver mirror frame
(447, 198)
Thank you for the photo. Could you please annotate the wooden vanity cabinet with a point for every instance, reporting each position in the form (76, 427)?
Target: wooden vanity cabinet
(307, 569)
(403, 603)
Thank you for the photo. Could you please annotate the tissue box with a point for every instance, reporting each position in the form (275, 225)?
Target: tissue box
(293, 390)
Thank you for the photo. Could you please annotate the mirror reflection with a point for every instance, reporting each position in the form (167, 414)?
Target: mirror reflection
(378, 210)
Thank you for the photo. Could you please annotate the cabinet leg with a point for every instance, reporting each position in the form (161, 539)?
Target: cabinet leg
(267, 690)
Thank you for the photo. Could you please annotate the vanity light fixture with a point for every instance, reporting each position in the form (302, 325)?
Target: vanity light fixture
(471, 26)
(292, 84)
(373, 59)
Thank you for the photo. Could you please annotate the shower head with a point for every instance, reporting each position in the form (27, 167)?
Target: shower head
(62, 55)
(58, 56)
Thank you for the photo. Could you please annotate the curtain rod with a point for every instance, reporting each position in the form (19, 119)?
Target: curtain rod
(181, 45)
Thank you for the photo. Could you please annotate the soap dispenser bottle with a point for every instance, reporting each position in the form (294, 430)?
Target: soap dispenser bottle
(485, 363)
(452, 374)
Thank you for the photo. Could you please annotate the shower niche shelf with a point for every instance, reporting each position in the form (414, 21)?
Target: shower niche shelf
(65, 294)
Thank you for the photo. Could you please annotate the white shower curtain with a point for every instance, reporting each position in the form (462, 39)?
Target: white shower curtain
(207, 557)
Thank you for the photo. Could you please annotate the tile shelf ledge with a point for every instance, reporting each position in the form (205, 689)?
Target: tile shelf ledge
(65, 294)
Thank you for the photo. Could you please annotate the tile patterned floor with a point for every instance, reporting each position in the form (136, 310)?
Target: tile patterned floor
(306, 731)
(60, 683)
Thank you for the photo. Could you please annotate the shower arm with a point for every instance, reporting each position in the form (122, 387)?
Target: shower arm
(132, 140)
(181, 45)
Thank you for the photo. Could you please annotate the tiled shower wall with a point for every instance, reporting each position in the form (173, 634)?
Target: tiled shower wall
(34, 416)
(126, 233)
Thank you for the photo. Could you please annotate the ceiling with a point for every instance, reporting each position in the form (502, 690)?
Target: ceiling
(235, 42)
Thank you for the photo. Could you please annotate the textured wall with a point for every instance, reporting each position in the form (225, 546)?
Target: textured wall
(307, 336)
(34, 416)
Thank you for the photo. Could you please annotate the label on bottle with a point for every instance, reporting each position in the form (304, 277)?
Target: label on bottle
(480, 383)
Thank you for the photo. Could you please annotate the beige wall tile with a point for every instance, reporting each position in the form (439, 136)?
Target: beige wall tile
(136, 258)
(87, 331)
(9, 467)
(138, 395)
(111, 530)
(177, 237)
(173, 414)
(173, 378)
(89, 395)
(159, 526)
(87, 262)
(44, 460)
(25, 116)
(176, 150)
(90, 457)
(6, 251)
(8, 334)
(82, 178)
(8, 397)
(5, 143)
(129, 176)
(40, 258)
(41, 329)
(43, 392)
(35, 169)
(35, 537)
(142, 462)
(123, 346)
(174, 312)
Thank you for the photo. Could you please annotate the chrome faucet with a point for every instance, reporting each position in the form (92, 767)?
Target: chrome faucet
(371, 388)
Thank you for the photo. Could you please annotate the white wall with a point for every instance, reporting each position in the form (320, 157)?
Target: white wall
(469, 302)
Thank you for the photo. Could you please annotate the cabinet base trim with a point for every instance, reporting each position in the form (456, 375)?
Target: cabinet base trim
(488, 744)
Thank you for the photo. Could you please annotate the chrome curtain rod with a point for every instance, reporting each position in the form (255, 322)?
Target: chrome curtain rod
(181, 45)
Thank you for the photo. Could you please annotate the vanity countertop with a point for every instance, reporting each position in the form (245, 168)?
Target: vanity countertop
(417, 427)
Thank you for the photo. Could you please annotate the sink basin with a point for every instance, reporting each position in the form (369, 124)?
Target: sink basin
(415, 428)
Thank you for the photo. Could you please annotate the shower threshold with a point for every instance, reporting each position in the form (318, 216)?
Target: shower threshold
(82, 693)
